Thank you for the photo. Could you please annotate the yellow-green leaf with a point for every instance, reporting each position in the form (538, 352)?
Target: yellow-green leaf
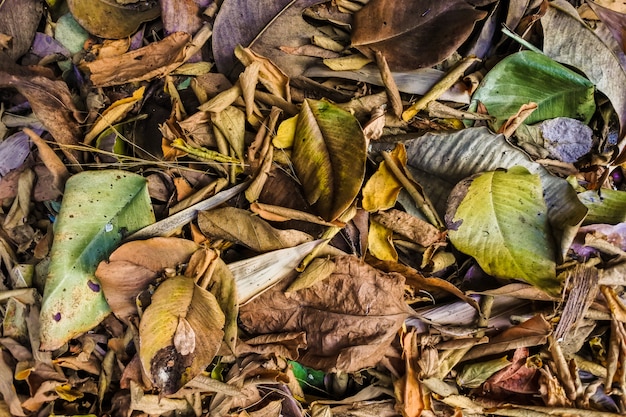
(329, 155)
(500, 219)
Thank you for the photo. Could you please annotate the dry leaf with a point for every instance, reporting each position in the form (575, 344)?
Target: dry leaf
(410, 33)
(349, 319)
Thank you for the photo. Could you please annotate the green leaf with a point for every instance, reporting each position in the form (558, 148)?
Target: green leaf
(528, 76)
(329, 154)
(606, 206)
(99, 209)
(180, 332)
(475, 374)
(500, 219)
(309, 379)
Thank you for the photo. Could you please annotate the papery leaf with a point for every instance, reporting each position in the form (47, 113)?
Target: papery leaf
(381, 191)
(569, 40)
(134, 265)
(500, 219)
(99, 209)
(413, 34)
(605, 206)
(350, 319)
(440, 161)
(19, 20)
(243, 227)
(329, 155)
(529, 76)
(255, 275)
(180, 332)
(318, 270)
(379, 242)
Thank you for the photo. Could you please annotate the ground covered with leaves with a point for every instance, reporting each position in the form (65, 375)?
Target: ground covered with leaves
(305, 208)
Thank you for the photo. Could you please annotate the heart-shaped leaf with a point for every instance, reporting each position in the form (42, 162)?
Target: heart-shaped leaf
(180, 332)
(409, 33)
(500, 219)
(329, 154)
(569, 40)
(99, 209)
(529, 76)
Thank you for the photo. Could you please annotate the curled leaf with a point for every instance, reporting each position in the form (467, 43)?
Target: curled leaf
(181, 318)
(329, 154)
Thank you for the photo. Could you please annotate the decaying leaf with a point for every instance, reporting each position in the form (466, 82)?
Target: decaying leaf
(410, 33)
(243, 227)
(180, 333)
(349, 318)
(411, 227)
(329, 155)
(99, 209)
(134, 265)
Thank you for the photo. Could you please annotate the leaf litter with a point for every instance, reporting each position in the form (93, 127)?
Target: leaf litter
(237, 208)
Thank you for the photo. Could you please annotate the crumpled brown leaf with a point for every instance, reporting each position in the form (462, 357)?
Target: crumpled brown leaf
(155, 60)
(349, 319)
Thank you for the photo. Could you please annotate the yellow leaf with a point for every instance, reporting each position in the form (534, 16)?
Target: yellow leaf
(286, 133)
(382, 189)
(380, 244)
(115, 113)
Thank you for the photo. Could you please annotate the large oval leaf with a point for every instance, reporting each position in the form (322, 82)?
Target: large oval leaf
(500, 219)
(329, 154)
(529, 76)
(99, 209)
(180, 332)
(439, 161)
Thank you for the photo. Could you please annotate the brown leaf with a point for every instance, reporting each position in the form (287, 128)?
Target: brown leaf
(411, 227)
(243, 227)
(413, 34)
(517, 377)
(532, 332)
(155, 60)
(134, 265)
(349, 319)
(50, 100)
(19, 20)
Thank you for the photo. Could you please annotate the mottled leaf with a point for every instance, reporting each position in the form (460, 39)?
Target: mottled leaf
(99, 209)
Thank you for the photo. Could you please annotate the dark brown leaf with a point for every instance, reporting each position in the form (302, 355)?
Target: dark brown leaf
(413, 34)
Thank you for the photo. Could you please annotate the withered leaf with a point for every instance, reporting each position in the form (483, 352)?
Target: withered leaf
(411, 227)
(132, 267)
(413, 34)
(243, 227)
(349, 319)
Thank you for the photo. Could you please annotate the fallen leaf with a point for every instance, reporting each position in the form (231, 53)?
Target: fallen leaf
(155, 60)
(113, 20)
(605, 206)
(264, 26)
(381, 191)
(349, 318)
(134, 265)
(409, 33)
(411, 227)
(19, 20)
(568, 39)
(99, 209)
(318, 270)
(440, 161)
(329, 155)
(473, 375)
(380, 242)
(181, 317)
(500, 219)
(529, 76)
(243, 227)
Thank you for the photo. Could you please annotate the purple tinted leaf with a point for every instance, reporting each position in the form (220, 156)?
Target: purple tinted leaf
(13, 152)
(44, 45)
